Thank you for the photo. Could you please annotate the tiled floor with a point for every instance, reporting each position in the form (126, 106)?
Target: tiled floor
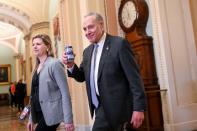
(9, 121)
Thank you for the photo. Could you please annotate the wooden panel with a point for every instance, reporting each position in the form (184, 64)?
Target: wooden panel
(143, 50)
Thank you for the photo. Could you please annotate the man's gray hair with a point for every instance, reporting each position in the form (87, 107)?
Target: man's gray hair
(97, 15)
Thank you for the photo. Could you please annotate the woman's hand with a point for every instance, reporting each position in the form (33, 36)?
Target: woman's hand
(69, 127)
(30, 126)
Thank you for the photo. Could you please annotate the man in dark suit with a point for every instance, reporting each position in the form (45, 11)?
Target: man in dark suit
(20, 94)
(112, 75)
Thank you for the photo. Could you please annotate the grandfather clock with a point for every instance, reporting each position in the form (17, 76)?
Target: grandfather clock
(133, 17)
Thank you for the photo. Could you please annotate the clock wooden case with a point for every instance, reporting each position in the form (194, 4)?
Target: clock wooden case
(133, 17)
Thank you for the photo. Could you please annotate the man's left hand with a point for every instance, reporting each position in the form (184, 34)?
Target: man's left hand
(137, 119)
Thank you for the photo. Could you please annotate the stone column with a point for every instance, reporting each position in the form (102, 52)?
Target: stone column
(41, 27)
(28, 63)
(18, 61)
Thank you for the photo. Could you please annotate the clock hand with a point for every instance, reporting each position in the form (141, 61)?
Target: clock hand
(128, 14)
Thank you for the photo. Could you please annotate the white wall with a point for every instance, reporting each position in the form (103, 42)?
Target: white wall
(176, 59)
(6, 57)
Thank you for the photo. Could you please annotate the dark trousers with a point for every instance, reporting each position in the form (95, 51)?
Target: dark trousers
(20, 102)
(13, 101)
(101, 123)
(42, 126)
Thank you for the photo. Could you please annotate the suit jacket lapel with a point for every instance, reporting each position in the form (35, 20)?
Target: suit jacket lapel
(104, 54)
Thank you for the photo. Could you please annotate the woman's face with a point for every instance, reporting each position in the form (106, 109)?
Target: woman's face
(38, 47)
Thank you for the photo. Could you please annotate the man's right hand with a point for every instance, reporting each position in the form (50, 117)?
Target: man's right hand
(65, 61)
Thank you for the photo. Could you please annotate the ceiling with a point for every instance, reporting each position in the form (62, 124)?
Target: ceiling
(19, 15)
(8, 31)
(36, 10)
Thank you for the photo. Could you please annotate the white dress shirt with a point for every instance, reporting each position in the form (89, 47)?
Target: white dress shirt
(98, 57)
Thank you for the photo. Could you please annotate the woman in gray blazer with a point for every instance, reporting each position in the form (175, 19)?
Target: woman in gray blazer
(50, 99)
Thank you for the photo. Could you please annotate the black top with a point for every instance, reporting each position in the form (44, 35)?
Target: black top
(35, 92)
(20, 90)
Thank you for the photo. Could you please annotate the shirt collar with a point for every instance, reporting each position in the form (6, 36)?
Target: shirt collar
(102, 40)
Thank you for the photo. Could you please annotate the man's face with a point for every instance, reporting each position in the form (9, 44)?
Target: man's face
(93, 29)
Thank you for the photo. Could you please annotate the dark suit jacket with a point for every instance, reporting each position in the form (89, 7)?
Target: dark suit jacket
(119, 83)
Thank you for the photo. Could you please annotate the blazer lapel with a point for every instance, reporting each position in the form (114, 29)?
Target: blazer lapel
(48, 59)
(104, 54)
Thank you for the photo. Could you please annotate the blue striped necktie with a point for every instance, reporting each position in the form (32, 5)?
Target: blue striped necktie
(92, 77)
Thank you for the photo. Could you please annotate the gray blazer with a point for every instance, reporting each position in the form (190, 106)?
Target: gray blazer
(54, 95)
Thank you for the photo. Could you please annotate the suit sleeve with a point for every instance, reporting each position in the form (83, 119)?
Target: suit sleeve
(77, 73)
(132, 73)
(60, 78)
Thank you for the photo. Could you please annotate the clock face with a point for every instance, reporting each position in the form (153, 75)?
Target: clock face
(129, 14)
(133, 15)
